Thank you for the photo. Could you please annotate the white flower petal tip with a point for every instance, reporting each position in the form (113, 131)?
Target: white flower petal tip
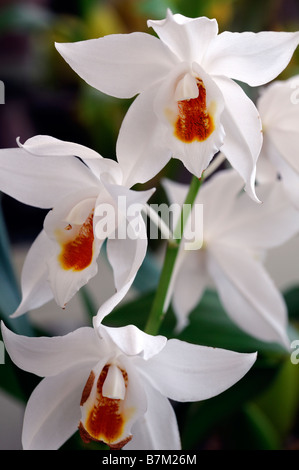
(139, 58)
(35, 288)
(210, 371)
(45, 145)
(253, 58)
(251, 191)
(192, 32)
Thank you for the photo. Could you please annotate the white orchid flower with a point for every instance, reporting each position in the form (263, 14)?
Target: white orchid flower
(113, 384)
(278, 105)
(237, 233)
(188, 105)
(88, 204)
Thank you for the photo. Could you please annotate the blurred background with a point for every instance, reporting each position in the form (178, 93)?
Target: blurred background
(44, 96)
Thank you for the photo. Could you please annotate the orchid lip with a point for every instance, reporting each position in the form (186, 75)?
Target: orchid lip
(102, 405)
(194, 121)
(77, 252)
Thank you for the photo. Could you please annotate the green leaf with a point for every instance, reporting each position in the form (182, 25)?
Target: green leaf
(280, 403)
(9, 291)
(259, 433)
(248, 429)
(9, 381)
(148, 275)
(291, 297)
(88, 302)
(134, 312)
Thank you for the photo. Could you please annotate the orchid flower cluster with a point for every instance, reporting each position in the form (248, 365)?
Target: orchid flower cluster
(114, 383)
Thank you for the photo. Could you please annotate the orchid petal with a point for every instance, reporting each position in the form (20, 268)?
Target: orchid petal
(189, 285)
(66, 283)
(106, 169)
(140, 150)
(242, 125)
(228, 184)
(158, 429)
(45, 426)
(120, 65)
(126, 256)
(279, 112)
(253, 58)
(262, 226)
(286, 143)
(131, 251)
(126, 249)
(277, 105)
(188, 38)
(135, 401)
(35, 288)
(70, 225)
(248, 294)
(188, 372)
(45, 145)
(45, 356)
(265, 169)
(134, 342)
(176, 192)
(129, 203)
(109, 305)
(41, 182)
(290, 181)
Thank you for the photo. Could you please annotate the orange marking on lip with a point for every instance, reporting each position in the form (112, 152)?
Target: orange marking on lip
(105, 421)
(194, 123)
(77, 253)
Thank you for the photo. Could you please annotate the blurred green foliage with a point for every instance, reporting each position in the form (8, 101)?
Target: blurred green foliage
(43, 95)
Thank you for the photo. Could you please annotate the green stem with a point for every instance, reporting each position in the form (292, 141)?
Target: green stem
(157, 312)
